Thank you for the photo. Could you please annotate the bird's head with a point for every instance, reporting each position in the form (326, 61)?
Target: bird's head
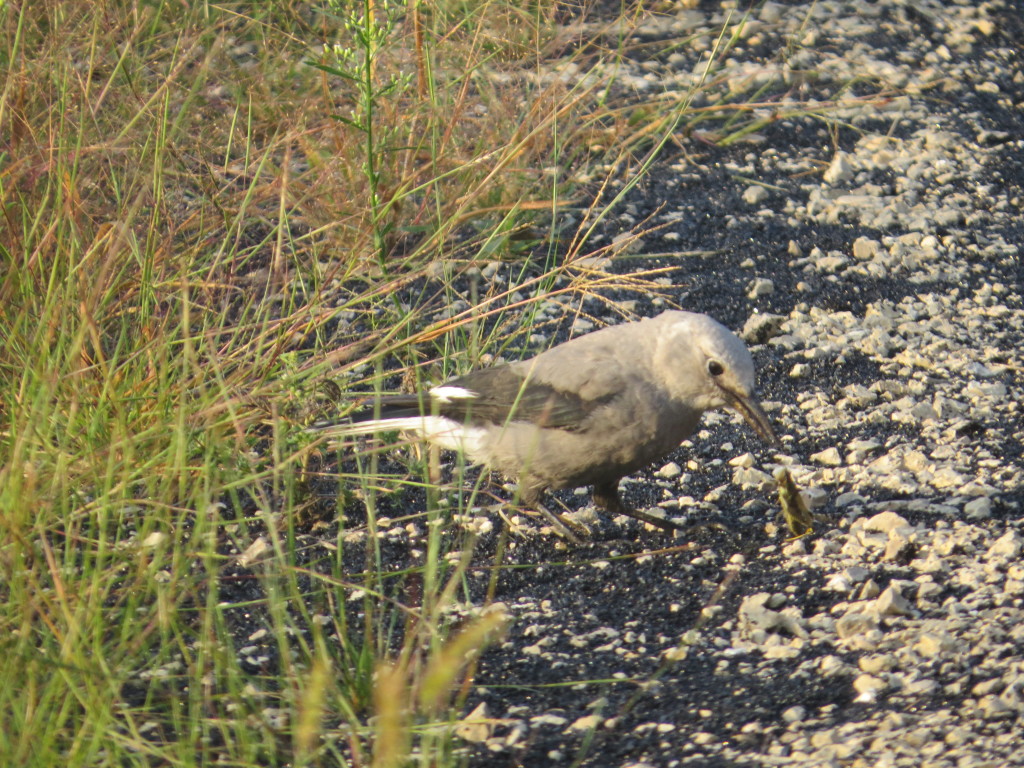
(705, 364)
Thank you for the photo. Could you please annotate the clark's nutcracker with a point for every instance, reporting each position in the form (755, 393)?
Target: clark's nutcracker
(586, 412)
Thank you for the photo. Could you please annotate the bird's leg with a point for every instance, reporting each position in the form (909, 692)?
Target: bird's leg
(606, 496)
(530, 499)
(559, 523)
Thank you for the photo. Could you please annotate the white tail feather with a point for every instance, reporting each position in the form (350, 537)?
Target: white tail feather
(443, 432)
(448, 392)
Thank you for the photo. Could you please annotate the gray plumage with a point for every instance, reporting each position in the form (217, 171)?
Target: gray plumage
(586, 412)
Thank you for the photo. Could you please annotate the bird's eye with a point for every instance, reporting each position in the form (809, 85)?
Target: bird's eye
(715, 368)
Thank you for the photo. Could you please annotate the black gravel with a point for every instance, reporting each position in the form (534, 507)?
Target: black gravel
(718, 704)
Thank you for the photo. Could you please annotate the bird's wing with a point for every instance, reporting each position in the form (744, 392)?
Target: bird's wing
(558, 389)
(515, 393)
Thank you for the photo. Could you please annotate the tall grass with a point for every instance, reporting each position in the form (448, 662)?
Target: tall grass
(206, 210)
(182, 217)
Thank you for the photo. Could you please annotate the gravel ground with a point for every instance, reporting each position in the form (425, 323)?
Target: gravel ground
(877, 267)
(874, 265)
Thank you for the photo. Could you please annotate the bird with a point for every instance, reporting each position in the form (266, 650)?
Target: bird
(586, 412)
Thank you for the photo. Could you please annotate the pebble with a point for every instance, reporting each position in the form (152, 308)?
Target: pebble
(745, 460)
(752, 479)
(978, 509)
(756, 615)
(829, 457)
(892, 603)
(868, 687)
(794, 714)
(755, 194)
(669, 471)
(884, 522)
(931, 644)
(849, 498)
(839, 171)
(853, 624)
(909, 593)
(875, 664)
(760, 287)
(1007, 546)
(761, 327)
(584, 724)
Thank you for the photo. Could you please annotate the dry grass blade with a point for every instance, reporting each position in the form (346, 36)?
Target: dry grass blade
(205, 209)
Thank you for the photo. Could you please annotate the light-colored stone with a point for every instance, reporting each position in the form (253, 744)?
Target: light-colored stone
(1008, 546)
(752, 479)
(669, 471)
(829, 457)
(755, 194)
(868, 687)
(584, 724)
(794, 714)
(762, 326)
(762, 286)
(884, 522)
(745, 460)
(932, 644)
(892, 603)
(875, 664)
(900, 543)
(754, 614)
(978, 509)
(855, 623)
(839, 171)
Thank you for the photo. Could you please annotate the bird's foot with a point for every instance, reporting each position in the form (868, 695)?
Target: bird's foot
(530, 502)
(567, 529)
(673, 528)
(658, 522)
(606, 497)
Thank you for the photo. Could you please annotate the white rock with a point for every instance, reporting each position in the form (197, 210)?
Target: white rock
(833, 262)
(869, 591)
(865, 248)
(978, 509)
(829, 457)
(1008, 545)
(760, 287)
(931, 644)
(476, 727)
(839, 171)
(755, 194)
(584, 724)
(901, 539)
(859, 450)
(752, 479)
(892, 603)
(794, 714)
(669, 471)
(849, 498)
(868, 687)
(855, 623)
(745, 460)
(814, 497)
(761, 327)
(754, 614)
(884, 522)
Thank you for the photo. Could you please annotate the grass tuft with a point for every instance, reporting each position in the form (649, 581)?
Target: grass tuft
(215, 221)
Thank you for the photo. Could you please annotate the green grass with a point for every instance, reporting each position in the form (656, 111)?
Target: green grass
(208, 212)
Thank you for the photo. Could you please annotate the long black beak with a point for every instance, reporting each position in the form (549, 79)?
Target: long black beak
(753, 414)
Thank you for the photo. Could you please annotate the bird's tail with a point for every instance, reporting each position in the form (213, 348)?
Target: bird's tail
(396, 413)
(408, 413)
